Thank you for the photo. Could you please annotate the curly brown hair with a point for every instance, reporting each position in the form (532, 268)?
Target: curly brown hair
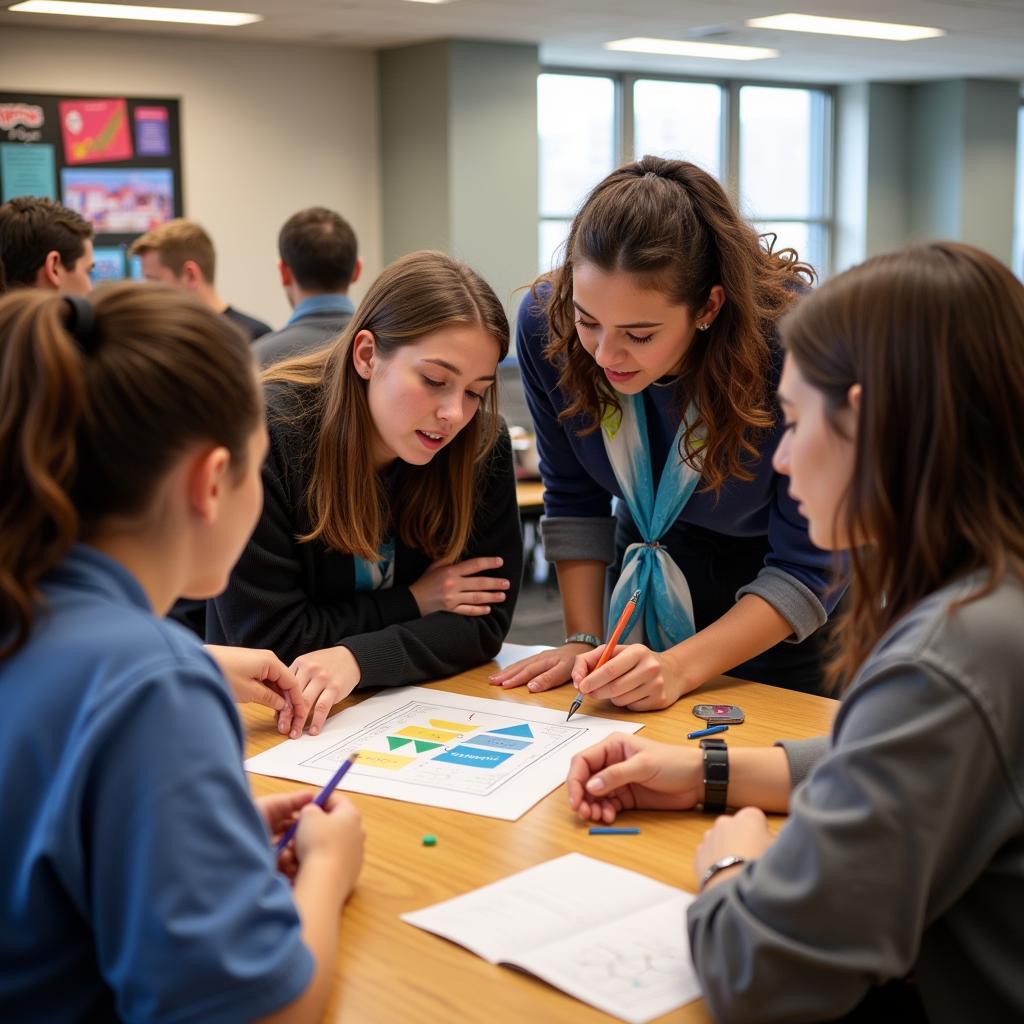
(671, 225)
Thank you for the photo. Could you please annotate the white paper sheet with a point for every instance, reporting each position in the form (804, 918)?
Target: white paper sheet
(511, 653)
(488, 757)
(610, 937)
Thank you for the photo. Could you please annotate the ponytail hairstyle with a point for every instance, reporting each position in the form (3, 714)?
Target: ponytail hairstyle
(92, 421)
(433, 505)
(933, 334)
(671, 225)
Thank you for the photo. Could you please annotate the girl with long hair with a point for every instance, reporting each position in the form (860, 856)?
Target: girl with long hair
(903, 853)
(137, 878)
(649, 362)
(388, 551)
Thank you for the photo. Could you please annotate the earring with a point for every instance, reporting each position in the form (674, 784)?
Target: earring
(703, 327)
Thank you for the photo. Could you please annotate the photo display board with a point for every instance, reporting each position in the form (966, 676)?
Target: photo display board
(116, 160)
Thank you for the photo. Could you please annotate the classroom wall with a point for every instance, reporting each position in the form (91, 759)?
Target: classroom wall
(459, 156)
(925, 160)
(266, 130)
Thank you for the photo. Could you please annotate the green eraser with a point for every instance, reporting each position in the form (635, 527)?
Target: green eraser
(429, 840)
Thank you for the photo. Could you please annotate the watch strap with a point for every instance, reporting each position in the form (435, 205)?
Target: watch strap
(716, 775)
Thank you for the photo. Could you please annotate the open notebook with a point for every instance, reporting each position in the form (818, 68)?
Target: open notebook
(610, 937)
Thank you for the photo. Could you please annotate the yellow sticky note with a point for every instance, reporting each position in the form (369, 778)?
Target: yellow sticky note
(437, 723)
(417, 732)
(379, 759)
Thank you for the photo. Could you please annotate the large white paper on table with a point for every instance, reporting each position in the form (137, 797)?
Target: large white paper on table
(489, 757)
(610, 937)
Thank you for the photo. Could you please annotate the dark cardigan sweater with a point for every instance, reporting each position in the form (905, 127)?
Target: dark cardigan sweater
(298, 597)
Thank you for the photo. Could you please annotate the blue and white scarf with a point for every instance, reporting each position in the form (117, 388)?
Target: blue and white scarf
(378, 575)
(664, 616)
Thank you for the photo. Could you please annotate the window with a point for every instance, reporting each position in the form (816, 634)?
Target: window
(577, 128)
(680, 120)
(771, 144)
(784, 175)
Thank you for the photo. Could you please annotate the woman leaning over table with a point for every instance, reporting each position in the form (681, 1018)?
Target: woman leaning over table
(650, 362)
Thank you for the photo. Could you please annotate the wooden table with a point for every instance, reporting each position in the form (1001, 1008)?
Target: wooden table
(390, 971)
(530, 496)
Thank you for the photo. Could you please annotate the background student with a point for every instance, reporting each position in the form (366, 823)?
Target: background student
(45, 245)
(388, 551)
(904, 849)
(318, 264)
(180, 253)
(649, 362)
(137, 879)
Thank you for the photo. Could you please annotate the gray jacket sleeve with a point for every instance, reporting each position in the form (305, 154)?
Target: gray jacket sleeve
(803, 755)
(883, 835)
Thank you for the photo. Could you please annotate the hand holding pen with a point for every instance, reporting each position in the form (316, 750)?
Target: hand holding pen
(633, 676)
(320, 799)
(620, 626)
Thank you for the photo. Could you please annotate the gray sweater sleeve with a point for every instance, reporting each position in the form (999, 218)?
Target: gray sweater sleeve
(840, 900)
(803, 755)
(587, 538)
(793, 600)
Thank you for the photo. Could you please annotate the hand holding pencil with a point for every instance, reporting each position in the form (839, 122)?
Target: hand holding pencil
(633, 676)
(620, 626)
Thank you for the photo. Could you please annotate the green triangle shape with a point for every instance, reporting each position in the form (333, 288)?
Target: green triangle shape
(422, 745)
(394, 742)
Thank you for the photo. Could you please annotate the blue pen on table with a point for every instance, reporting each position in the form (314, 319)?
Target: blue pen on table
(608, 830)
(710, 731)
(320, 799)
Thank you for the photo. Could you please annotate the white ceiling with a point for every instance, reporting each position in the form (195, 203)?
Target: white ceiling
(985, 37)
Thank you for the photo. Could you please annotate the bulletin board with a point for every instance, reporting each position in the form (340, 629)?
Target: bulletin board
(116, 160)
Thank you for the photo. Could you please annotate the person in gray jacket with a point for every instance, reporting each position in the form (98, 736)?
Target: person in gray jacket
(895, 891)
(318, 264)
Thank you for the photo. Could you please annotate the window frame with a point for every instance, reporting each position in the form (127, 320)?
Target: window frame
(623, 135)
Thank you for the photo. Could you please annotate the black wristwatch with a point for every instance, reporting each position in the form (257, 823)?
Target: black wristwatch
(716, 775)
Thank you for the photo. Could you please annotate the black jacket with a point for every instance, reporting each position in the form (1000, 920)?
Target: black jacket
(298, 597)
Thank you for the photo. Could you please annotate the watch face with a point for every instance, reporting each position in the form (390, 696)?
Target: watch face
(719, 714)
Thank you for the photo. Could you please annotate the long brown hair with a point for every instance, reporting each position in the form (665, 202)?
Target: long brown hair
(933, 334)
(671, 225)
(432, 507)
(90, 427)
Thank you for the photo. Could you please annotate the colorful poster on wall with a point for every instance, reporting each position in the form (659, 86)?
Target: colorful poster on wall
(27, 170)
(114, 159)
(108, 263)
(22, 122)
(95, 131)
(151, 135)
(120, 201)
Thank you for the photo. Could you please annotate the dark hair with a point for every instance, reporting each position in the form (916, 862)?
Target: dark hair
(433, 506)
(319, 248)
(30, 228)
(90, 425)
(671, 225)
(933, 334)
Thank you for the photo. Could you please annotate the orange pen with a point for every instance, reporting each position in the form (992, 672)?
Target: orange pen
(627, 614)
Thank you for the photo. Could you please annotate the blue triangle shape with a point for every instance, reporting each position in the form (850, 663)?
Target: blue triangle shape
(514, 730)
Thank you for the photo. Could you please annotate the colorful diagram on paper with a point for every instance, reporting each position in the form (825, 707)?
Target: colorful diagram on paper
(447, 747)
